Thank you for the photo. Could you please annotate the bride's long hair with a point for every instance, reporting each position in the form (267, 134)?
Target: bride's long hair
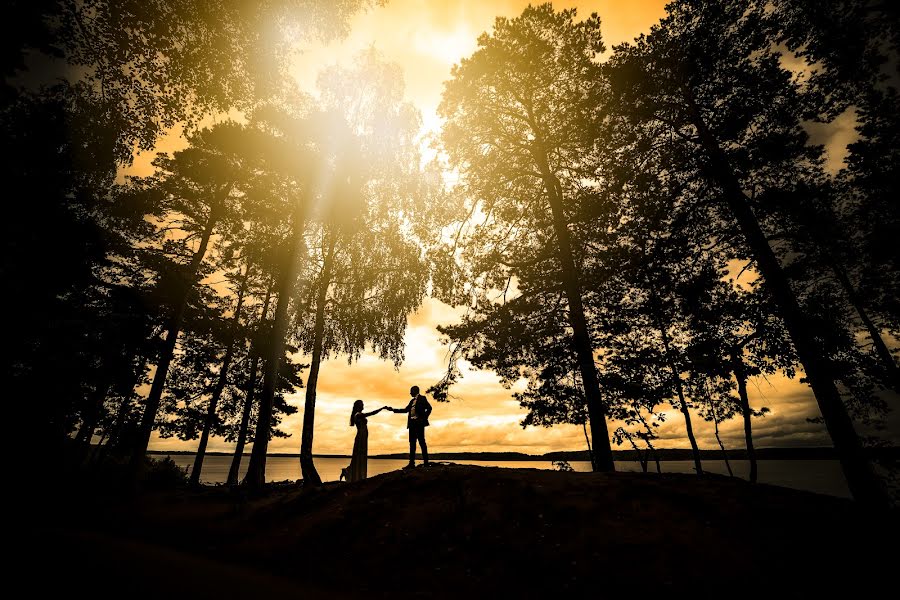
(357, 408)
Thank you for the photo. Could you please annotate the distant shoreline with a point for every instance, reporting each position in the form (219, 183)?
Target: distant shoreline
(816, 453)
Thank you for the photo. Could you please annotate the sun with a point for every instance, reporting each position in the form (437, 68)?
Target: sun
(447, 47)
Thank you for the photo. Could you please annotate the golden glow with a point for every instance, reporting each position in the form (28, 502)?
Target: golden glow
(425, 38)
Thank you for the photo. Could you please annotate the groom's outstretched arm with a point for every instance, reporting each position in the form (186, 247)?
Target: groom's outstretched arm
(405, 409)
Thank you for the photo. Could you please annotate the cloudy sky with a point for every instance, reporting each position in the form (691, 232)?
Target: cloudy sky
(426, 37)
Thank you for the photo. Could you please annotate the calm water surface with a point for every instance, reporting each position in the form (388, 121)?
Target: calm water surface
(821, 476)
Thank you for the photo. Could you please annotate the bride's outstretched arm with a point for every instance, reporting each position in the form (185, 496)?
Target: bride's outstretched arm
(374, 412)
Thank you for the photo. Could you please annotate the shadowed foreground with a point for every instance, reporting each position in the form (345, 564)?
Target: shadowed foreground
(452, 531)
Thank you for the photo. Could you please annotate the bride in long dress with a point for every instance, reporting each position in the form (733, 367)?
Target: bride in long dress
(358, 462)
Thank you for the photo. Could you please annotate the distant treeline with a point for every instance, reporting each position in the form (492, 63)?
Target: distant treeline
(821, 453)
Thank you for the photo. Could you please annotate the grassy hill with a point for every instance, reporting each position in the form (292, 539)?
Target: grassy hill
(458, 531)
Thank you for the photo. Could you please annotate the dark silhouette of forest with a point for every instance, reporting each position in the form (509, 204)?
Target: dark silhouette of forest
(602, 204)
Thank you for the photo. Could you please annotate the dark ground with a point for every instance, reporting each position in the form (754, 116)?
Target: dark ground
(468, 532)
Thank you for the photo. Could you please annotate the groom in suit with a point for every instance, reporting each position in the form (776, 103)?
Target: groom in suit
(417, 412)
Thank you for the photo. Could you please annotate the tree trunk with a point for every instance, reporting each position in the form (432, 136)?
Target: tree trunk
(94, 456)
(221, 382)
(118, 440)
(741, 378)
(168, 350)
(679, 389)
(248, 402)
(307, 467)
(861, 478)
(256, 470)
(891, 371)
(234, 470)
(91, 417)
(643, 458)
(721, 445)
(587, 440)
(584, 348)
(651, 449)
(648, 435)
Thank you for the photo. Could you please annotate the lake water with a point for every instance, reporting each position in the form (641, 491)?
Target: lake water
(821, 476)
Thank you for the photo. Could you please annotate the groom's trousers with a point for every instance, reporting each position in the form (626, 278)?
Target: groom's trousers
(417, 434)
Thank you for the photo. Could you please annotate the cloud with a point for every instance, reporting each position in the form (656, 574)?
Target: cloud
(835, 137)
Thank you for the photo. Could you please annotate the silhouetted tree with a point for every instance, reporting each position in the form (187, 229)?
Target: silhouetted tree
(367, 276)
(85, 85)
(516, 113)
(195, 186)
(294, 158)
(850, 51)
(222, 376)
(709, 74)
(158, 64)
(260, 332)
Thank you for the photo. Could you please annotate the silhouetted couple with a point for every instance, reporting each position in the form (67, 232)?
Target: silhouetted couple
(417, 412)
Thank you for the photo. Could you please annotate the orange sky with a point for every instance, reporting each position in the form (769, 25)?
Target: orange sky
(426, 37)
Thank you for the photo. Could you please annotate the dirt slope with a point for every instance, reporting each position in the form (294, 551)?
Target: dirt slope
(460, 531)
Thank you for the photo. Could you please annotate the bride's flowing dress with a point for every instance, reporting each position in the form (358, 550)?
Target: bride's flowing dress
(358, 461)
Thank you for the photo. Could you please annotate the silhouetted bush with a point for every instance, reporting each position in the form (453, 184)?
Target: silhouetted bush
(113, 472)
(164, 474)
